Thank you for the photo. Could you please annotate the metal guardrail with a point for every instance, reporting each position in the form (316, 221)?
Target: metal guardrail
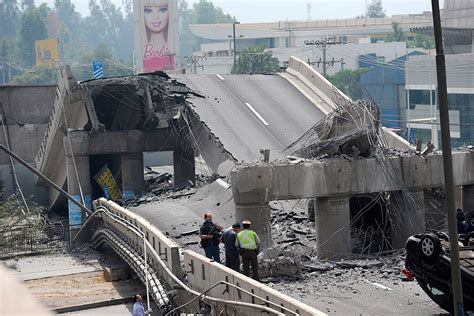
(30, 239)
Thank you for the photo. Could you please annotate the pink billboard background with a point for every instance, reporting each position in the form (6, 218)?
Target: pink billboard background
(156, 34)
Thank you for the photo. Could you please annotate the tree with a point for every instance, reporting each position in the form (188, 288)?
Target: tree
(202, 12)
(397, 35)
(70, 20)
(37, 75)
(32, 28)
(9, 18)
(348, 81)
(107, 25)
(421, 41)
(254, 60)
(375, 9)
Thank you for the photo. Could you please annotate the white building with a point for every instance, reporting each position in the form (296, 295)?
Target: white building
(420, 78)
(357, 36)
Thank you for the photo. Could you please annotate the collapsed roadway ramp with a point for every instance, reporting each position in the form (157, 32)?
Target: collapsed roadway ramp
(225, 119)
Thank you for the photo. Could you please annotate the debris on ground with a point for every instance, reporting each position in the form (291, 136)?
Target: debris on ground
(160, 186)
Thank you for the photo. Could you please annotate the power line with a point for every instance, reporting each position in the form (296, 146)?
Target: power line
(324, 45)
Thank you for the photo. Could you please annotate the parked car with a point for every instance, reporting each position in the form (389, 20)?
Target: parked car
(428, 260)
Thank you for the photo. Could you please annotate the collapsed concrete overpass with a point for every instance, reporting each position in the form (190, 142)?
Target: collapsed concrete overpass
(225, 119)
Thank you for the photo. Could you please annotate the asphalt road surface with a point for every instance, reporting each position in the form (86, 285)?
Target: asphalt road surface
(252, 112)
(352, 293)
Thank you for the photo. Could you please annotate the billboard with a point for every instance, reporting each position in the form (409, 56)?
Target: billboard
(156, 34)
(46, 52)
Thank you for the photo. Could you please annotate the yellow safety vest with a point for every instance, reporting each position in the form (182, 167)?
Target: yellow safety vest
(247, 239)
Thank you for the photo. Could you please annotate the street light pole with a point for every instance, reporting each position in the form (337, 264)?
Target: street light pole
(233, 36)
(456, 285)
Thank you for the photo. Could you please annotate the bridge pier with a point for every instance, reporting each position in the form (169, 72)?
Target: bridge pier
(76, 216)
(259, 215)
(184, 166)
(133, 180)
(333, 227)
(407, 219)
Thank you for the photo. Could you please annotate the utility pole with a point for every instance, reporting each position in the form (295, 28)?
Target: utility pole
(456, 285)
(4, 61)
(194, 62)
(324, 45)
(233, 36)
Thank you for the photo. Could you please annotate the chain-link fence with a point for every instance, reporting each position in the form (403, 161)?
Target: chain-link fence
(26, 239)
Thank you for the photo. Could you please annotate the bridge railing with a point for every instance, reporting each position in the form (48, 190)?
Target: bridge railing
(202, 273)
(224, 288)
(167, 250)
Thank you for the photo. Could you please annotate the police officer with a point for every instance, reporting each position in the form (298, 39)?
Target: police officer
(248, 244)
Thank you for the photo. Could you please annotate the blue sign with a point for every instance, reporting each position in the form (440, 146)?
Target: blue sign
(97, 69)
(75, 213)
(411, 136)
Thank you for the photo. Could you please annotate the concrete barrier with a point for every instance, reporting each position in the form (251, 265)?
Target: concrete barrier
(394, 140)
(330, 93)
(202, 273)
(316, 81)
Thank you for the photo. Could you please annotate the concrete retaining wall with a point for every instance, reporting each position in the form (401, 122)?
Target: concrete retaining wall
(202, 274)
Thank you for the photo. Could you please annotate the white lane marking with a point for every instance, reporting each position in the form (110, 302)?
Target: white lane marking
(223, 183)
(220, 77)
(383, 287)
(256, 114)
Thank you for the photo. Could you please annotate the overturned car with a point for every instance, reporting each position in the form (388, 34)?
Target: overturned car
(428, 260)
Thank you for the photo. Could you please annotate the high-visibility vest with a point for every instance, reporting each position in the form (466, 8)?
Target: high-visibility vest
(247, 239)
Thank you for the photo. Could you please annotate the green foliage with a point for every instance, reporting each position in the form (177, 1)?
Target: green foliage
(422, 41)
(254, 60)
(348, 81)
(107, 24)
(9, 18)
(103, 53)
(202, 12)
(397, 35)
(32, 28)
(36, 76)
(375, 9)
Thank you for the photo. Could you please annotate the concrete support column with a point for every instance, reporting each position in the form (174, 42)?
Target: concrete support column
(184, 166)
(259, 215)
(333, 227)
(407, 218)
(82, 178)
(133, 180)
(467, 197)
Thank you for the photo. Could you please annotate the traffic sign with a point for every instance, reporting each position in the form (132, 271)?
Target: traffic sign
(97, 69)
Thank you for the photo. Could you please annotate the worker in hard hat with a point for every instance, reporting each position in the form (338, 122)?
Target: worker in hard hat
(248, 243)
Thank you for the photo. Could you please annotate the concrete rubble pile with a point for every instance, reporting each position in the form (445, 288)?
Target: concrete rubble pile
(160, 186)
(350, 131)
(294, 258)
(156, 96)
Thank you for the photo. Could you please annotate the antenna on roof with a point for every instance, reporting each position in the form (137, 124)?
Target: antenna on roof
(308, 10)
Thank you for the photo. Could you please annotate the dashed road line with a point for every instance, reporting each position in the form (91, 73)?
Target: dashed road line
(223, 183)
(256, 114)
(220, 77)
(383, 287)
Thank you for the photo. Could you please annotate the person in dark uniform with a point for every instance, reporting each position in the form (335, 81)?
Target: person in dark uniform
(210, 235)
(232, 259)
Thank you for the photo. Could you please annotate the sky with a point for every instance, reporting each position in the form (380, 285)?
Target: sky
(279, 10)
